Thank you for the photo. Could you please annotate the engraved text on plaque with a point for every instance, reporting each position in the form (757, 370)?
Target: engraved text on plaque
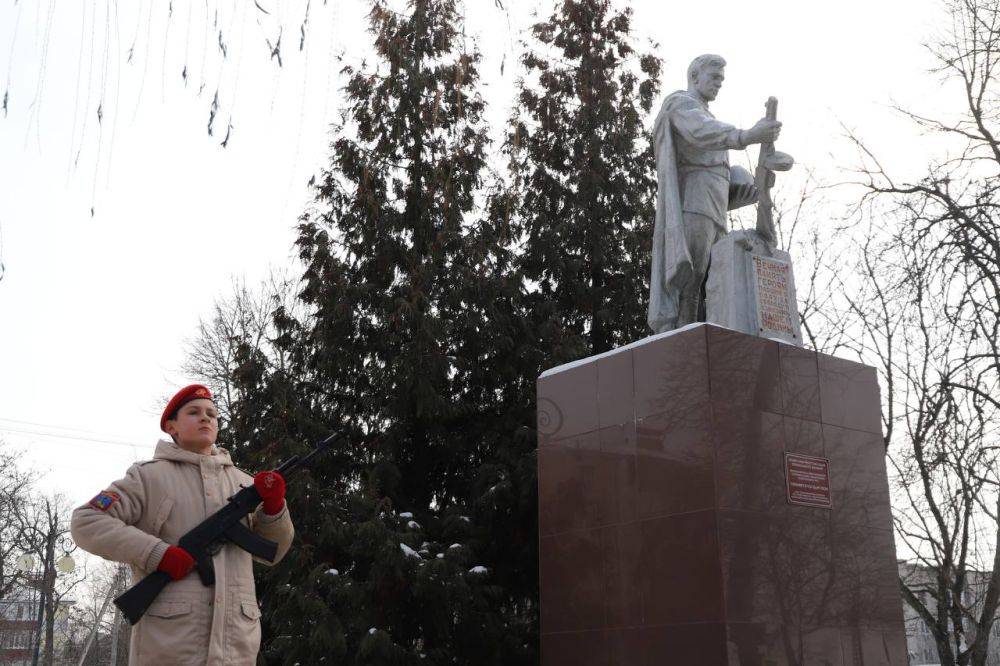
(774, 297)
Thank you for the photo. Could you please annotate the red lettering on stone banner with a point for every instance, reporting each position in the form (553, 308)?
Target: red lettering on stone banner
(774, 310)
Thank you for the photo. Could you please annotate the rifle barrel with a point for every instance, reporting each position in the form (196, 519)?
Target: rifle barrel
(304, 461)
(287, 464)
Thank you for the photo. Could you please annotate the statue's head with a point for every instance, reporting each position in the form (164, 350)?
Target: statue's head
(705, 75)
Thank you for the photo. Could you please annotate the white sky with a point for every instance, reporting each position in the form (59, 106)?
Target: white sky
(94, 310)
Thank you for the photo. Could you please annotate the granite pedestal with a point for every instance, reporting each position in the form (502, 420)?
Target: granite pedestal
(667, 533)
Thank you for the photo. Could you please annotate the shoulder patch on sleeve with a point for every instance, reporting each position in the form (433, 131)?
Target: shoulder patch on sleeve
(104, 500)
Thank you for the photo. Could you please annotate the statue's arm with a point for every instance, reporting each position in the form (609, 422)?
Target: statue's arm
(698, 128)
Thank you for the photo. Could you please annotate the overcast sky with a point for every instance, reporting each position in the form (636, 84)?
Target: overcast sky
(94, 310)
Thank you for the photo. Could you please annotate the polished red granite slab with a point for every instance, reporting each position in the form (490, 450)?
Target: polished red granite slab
(666, 535)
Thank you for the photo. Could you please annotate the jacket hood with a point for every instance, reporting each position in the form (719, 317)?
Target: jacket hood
(167, 450)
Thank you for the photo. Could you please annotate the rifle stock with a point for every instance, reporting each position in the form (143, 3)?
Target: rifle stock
(136, 600)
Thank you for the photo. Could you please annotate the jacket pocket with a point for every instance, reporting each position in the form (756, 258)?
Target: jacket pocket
(242, 631)
(250, 610)
(162, 513)
(174, 631)
(169, 609)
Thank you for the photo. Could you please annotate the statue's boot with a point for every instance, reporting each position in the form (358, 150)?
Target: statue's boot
(690, 301)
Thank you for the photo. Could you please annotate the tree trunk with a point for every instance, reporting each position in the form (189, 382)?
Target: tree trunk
(49, 597)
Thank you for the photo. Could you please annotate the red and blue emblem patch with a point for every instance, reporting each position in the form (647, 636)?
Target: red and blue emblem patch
(104, 500)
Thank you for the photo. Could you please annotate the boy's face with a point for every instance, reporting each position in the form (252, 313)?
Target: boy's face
(196, 425)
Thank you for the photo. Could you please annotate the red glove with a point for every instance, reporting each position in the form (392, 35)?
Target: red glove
(271, 487)
(176, 562)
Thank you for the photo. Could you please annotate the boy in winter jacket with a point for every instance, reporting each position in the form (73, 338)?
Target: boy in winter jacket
(140, 518)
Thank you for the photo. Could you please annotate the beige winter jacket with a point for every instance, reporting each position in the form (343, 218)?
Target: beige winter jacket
(136, 518)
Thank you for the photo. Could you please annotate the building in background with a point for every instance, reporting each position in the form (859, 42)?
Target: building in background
(19, 624)
(920, 644)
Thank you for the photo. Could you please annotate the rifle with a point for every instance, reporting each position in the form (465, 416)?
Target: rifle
(764, 179)
(206, 538)
(769, 161)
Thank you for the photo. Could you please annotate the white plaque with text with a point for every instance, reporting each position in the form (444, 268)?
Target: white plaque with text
(773, 287)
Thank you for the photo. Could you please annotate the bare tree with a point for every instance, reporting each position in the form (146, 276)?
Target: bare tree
(921, 301)
(15, 485)
(44, 527)
(96, 633)
(244, 319)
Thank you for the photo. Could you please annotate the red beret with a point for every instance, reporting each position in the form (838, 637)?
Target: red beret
(185, 395)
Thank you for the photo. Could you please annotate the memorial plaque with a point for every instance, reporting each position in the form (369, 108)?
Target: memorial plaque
(774, 296)
(807, 480)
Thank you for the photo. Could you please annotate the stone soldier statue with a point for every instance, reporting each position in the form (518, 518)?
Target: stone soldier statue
(696, 188)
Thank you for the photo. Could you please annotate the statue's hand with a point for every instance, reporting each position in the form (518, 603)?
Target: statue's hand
(765, 131)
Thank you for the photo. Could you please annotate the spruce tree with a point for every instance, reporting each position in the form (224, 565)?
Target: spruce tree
(408, 341)
(423, 323)
(585, 176)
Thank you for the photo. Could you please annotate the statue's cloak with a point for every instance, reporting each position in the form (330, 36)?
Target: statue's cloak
(671, 266)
